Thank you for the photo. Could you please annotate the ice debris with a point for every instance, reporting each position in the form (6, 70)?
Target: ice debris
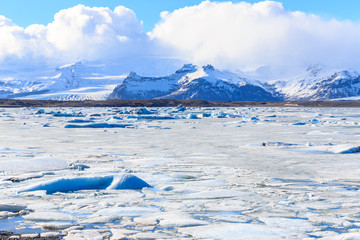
(12, 207)
(192, 116)
(98, 125)
(78, 166)
(80, 121)
(64, 114)
(125, 181)
(345, 149)
(299, 124)
(141, 111)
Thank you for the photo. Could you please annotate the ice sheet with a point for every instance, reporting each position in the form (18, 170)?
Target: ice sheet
(214, 172)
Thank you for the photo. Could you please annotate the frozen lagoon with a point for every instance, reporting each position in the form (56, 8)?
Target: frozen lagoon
(215, 173)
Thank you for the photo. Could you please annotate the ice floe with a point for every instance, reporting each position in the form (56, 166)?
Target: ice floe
(124, 181)
(230, 173)
(98, 125)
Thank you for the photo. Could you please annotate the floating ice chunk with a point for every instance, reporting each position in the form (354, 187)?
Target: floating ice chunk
(101, 219)
(314, 121)
(127, 211)
(71, 184)
(182, 176)
(179, 220)
(12, 151)
(216, 194)
(148, 220)
(151, 235)
(236, 231)
(98, 125)
(30, 236)
(125, 181)
(272, 144)
(299, 124)
(73, 114)
(254, 119)
(219, 114)
(279, 144)
(29, 176)
(121, 233)
(333, 221)
(345, 149)
(208, 183)
(344, 236)
(50, 235)
(55, 226)
(12, 207)
(180, 108)
(40, 111)
(6, 214)
(80, 121)
(49, 217)
(113, 119)
(78, 166)
(141, 111)
(151, 117)
(32, 165)
(88, 234)
(318, 133)
(294, 225)
(192, 116)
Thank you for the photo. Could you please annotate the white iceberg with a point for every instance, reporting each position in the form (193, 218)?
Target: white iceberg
(125, 181)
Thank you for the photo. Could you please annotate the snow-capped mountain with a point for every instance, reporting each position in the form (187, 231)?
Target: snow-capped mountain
(69, 82)
(79, 81)
(193, 82)
(318, 84)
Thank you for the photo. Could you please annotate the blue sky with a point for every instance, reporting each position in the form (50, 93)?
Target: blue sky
(25, 12)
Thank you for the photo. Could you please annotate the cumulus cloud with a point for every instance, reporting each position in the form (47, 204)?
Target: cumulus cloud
(229, 35)
(243, 35)
(77, 33)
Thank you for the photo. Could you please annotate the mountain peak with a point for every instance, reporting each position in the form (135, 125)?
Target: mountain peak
(314, 70)
(193, 82)
(208, 67)
(132, 75)
(187, 68)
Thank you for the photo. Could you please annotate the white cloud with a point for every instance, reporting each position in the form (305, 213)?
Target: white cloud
(230, 35)
(77, 33)
(243, 35)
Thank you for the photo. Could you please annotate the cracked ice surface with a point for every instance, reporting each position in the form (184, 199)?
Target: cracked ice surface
(224, 173)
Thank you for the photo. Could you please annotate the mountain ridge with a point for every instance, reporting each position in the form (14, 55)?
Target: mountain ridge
(80, 81)
(192, 82)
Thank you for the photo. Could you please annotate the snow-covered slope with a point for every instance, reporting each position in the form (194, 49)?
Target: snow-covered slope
(193, 82)
(70, 82)
(93, 81)
(318, 83)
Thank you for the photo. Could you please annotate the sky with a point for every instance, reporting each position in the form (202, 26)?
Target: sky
(237, 35)
(25, 12)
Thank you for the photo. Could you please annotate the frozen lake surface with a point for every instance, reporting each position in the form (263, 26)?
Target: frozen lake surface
(181, 173)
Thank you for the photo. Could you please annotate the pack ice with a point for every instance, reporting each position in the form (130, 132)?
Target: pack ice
(180, 173)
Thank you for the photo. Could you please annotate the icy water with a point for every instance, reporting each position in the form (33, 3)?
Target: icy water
(215, 173)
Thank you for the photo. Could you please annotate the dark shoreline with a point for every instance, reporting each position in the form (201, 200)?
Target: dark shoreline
(4, 235)
(12, 103)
